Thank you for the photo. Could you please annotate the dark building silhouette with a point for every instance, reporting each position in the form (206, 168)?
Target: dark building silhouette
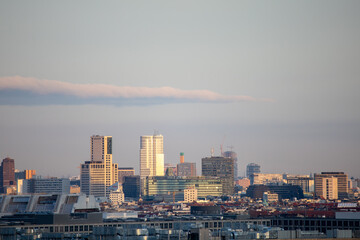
(205, 210)
(221, 167)
(7, 174)
(252, 168)
(284, 191)
(122, 172)
(131, 186)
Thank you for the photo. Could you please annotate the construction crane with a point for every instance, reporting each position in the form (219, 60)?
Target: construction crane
(221, 146)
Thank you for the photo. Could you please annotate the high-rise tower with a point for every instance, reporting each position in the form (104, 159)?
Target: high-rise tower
(98, 174)
(151, 155)
(7, 174)
(221, 167)
(233, 155)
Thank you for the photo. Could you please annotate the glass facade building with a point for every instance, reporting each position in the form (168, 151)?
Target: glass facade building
(162, 185)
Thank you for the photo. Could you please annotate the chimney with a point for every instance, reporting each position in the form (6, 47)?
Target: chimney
(181, 157)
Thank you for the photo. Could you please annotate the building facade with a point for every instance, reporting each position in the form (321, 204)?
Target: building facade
(122, 172)
(100, 173)
(305, 182)
(342, 183)
(220, 167)
(186, 169)
(131, 187)
(283, 191)
(162, 185)
(116, 195)
(330, 188)
(26, 174)
(266, 178)
(243, 182)
(270, 197)
(44, 185)
(233, 155)
(251, 169)
(190, 194)
(151, 155)
(7, 174)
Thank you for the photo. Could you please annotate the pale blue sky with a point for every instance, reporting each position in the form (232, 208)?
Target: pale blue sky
(304, 55)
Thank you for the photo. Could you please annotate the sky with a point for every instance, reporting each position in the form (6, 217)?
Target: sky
(275, 81)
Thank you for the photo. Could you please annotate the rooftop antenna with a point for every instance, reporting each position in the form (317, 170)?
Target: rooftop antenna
(212, 152)
(231, 148)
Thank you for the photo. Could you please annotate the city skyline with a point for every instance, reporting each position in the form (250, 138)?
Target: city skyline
(278, 79)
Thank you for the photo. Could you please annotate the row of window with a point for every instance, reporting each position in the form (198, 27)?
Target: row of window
(162, 225)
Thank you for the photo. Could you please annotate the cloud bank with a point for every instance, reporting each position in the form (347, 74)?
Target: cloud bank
(105, 91)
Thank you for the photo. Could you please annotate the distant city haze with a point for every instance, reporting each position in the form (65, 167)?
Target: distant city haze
(276, 82)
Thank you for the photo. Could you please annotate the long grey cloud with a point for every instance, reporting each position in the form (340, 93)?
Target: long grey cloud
(48, 87)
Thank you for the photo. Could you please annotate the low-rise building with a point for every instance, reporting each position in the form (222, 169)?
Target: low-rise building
(44, 185)
(190, 194)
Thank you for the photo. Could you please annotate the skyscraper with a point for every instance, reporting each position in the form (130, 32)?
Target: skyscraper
(151, 155)
(221, 167)
(252, 168)
(7, 174)
(100, 173)
(233, 155)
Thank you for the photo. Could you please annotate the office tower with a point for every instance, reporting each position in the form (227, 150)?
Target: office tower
(342, 186)
(151, 155)
(185, 169)
(220, 167)
(7, 174)
(131, 187)
(251, 169)
(233, 155)
(122, 172)
(100, 173)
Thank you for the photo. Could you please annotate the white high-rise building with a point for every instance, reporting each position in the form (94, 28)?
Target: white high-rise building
(98, 174)
(151, 155)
